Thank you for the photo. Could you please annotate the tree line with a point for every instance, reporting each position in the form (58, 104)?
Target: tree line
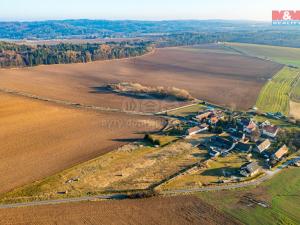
(14, 55)
(286, 38)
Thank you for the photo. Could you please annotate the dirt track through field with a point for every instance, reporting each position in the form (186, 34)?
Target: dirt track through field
(226, 79)
(176, 210)
(38, 139)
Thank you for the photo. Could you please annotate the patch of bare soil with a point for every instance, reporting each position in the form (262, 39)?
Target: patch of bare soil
(174, 210)
(38, 139)
(226, 79)
(257, 197)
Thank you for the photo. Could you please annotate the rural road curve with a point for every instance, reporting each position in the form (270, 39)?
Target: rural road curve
(269, 175)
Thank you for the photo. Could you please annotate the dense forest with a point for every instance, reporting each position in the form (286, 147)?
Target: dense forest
(147, 34)
(287, 38)
(13, 55)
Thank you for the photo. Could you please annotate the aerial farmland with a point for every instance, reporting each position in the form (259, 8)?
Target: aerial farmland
(148, 122)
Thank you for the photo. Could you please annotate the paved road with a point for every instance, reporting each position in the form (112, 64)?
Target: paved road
(107, 197)
(269, 175)
(60, 201)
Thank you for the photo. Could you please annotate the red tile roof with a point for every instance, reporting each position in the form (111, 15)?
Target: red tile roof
(203, 115)
(281, 152)
(193, 129)
(270, 129)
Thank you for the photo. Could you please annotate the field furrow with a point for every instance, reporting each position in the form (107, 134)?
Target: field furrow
(275, 96)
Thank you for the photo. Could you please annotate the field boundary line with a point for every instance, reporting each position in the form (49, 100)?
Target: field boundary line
(73, 105)
(297, 80)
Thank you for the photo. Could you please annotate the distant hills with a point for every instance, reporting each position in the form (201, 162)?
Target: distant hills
(160, 33)
(119, 28)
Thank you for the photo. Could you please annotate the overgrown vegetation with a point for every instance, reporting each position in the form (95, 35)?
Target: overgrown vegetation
(13, 55)
(157, 92)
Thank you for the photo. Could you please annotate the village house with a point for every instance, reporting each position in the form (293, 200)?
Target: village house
(219, 114)
(204, 115)
(224, 145)
(266, 123)
(251, 127)
(243, 121)
(193, 130)
(238, 136)
(197, 129)
(270, 131)
(280, 153)
(214, 153)
(250, 169)
(243, 147)
(255, 135)
(296, 162)
(262, 146)
(214, 120)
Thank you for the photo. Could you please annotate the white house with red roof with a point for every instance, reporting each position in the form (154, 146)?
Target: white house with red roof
(270, 131)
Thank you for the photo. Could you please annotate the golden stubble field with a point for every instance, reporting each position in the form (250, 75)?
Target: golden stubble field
(38, 139)
(206, 72)
(131, 167)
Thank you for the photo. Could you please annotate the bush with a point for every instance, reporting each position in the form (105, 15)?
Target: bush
(158, 92)
(153, 140)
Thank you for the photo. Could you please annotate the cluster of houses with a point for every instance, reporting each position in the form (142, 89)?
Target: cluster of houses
(244, 135)
(204, 120)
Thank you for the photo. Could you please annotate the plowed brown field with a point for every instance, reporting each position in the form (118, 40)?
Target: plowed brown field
(220, 77)
(38, 139)
(155, 211)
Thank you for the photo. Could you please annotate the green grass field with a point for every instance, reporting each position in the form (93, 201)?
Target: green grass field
(275, 95)
(296, 92)
(282, 193)
(284, 55)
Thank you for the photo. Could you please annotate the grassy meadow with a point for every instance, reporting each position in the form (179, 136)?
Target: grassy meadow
(283, 55)
(283, 201)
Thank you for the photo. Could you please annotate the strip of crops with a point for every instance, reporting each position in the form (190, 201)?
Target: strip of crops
(275, 95)
(296, 90)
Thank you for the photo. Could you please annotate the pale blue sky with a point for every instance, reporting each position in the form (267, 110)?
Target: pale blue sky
(142, 9)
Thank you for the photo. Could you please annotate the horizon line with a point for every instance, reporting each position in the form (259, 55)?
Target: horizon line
(142, 20)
